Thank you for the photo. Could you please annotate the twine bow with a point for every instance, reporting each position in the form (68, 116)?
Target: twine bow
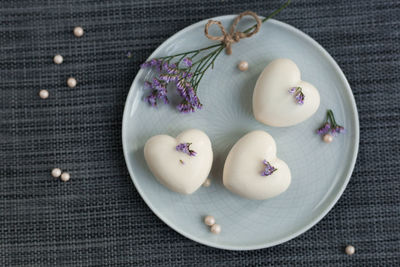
(233, 36)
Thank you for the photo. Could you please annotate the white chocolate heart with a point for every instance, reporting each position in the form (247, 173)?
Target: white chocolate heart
(272, 103)
(177, 170)
(244, 166)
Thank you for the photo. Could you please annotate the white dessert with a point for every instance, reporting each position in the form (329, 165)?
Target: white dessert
(244, 167)
(175, 169)
(272, 103)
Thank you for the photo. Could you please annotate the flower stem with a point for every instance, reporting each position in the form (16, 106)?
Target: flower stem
(218, 51)
(191, 52)
(332, 117)
(201, 60)
(269, 16)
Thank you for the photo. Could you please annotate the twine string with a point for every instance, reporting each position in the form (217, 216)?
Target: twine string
(233, 36)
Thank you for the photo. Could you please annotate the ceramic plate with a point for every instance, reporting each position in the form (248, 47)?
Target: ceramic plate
(320, 172)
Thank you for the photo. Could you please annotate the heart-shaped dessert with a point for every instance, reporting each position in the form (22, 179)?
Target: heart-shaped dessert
(183, 163)
(252, 169)
(281, 98)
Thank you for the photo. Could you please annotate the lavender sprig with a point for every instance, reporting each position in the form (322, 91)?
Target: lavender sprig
(268, 170)
(330, 125)
(185, 148)
(185, 71)
(298, 93)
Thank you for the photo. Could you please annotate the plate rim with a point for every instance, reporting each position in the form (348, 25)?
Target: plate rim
(312, 222)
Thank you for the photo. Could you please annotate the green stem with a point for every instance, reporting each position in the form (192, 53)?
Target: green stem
(203, 63)
(179, 61)
(332, 118)
(270, 16)
(198, 71)
(201, 60)
(190, 52)
(211, 63)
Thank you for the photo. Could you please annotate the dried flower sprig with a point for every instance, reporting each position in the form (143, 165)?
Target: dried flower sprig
(185, 71)
(268, 170)
(330, 127)
(298, 93)
(185, 148)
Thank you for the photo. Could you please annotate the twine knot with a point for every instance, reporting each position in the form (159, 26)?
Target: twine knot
(233, 36)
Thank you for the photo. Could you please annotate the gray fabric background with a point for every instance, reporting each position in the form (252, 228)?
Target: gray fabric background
(98, 218)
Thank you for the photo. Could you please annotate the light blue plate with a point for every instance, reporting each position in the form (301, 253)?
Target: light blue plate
(320, 172)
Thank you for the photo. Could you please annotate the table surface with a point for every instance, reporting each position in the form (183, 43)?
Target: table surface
(98, 218)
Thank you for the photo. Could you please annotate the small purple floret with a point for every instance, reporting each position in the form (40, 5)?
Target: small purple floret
(324, 129)
(297, 92)
(187, 62)
(185, 148)
(269, 169)
(159, 92)
(292, 90)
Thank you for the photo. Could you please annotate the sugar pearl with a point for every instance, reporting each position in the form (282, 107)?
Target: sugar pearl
(44, 94)
(65, 176)
(56, 172)
(328, 138)
(71, 82)
(207, 182)
(58, 59)
(216, 229)
(350, 250)
(209, 220)
(243, 65)
(78, 31)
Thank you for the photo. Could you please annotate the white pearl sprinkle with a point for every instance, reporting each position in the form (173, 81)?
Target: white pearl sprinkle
(58, 59)
(65, 176)
(350, 250)
(207, 182)
(209, 220)
(328, 138)
(56, 172)
(44, 94)
(78, 31)
(243, 65)
(71, 82)
(216, 229)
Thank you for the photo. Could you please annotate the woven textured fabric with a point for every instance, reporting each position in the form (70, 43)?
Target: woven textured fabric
(98, 218)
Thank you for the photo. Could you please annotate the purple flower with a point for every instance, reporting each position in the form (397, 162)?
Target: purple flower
(145, 65)
(152, 63)
(324, 129)
(187, 62)
(337, 130)
(148, 85)
(159, 92)
(268, 169)
(340, 129)
(155, 62)
(297, 92)
(152, 100)
(170, 73)
(292, 90)
(330, 126)
(186, 75)
(185, 107)
(300, 98)
(185, 148)
(170, 68)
